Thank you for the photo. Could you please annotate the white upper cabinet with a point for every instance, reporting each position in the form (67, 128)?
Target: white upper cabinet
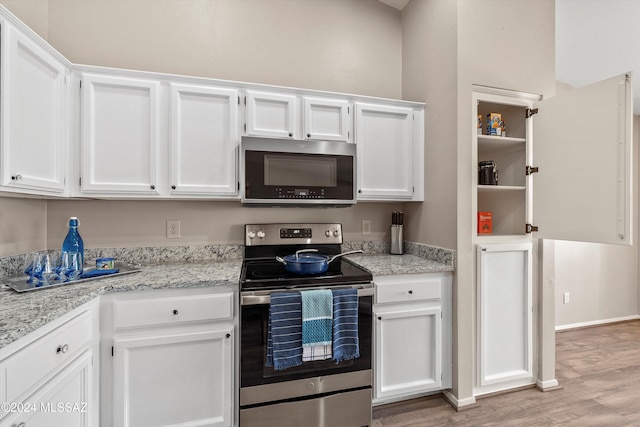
(565, 166)
(34, 115)
(119, 134)
(582, 148)
(384, 139)
(203, 140)
(79, 130)
(278, 115)
(326, 119)
(272, 114)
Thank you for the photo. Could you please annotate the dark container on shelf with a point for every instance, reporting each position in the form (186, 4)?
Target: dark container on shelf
(487, 173)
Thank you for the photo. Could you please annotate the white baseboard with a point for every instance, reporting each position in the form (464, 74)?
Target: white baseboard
(458, 404)
(546, 385)
(596, 322)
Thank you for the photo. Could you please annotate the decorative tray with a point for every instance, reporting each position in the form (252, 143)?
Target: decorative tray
(19, 283)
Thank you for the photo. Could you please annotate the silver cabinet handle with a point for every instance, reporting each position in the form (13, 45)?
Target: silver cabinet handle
(62, 349)
(17, 177)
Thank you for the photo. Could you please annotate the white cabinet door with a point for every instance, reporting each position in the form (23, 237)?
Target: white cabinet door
(271, 114)
(181, 378)
(34, 114)
(505, 316)
(384, 140)
(204, 140)
(326, 119)
(119, 135)
(582, 147)
(408, 357)
(64, 401)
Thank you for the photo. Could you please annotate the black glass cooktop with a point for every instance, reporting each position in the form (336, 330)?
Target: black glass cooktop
(268, 273)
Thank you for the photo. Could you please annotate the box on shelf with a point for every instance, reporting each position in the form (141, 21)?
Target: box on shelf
(485, 223)
(479, 124)
(494, 124)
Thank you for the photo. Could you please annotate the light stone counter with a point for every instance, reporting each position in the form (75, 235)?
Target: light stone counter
(22, 313)
(383, 265)
(180, 267)
(418, 258)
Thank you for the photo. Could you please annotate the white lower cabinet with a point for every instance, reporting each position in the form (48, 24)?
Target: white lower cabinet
(505, 317)
(412, 334)
(64, 401)
(172, 360)
(50, 377)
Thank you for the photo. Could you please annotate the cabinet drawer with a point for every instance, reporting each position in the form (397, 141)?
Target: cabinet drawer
(31, 365)
(172, 310)
(407, 289)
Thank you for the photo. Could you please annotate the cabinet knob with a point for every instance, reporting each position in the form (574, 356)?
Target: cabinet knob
(359, 191)
(308, 135)
(16, 177)
(290, 135)
(153, 187)
(62, 349)
(228, 335)
(379, 318)
(175, 312)
(173, 187)
(22, 424)
(410, 292)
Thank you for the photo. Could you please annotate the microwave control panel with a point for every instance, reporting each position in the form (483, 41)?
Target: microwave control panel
(299, 193)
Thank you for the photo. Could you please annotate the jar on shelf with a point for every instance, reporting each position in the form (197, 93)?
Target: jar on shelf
(487, 173)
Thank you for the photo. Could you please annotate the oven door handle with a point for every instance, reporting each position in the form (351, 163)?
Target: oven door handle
(258, 299)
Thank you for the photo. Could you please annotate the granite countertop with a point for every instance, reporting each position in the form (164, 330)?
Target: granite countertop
(23, 313)
(385, 264)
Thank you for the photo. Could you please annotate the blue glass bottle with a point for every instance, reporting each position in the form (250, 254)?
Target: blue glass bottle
(73, 242)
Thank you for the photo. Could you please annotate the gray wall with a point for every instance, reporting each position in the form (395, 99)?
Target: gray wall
(466, 42)
(602, 280)
(352, 46)
(493, 50)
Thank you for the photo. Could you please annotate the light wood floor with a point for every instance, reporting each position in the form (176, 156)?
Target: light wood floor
(598, 369)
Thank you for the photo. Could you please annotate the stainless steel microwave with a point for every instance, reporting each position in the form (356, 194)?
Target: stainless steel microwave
(294, 172)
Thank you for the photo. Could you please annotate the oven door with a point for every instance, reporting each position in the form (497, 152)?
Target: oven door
(260, 384)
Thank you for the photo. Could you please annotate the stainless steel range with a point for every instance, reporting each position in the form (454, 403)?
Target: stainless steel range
(319, 393)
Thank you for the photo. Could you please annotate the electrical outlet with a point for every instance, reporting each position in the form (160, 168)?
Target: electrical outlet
(173, 229)
(565, 298)
(366, 227)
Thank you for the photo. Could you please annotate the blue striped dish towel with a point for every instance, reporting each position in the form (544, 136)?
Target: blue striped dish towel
(284, 331)
(317, 320)
(346, 345)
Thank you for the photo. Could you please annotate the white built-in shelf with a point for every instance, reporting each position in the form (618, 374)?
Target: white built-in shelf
(500, 142)
(488, 188)
(499, 238)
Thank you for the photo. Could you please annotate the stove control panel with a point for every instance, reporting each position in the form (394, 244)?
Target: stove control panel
(289, 234)
(296, 233)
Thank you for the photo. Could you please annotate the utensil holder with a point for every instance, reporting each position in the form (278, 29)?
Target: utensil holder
(396, 240)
